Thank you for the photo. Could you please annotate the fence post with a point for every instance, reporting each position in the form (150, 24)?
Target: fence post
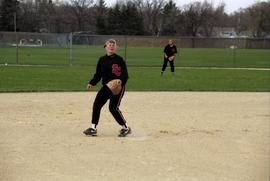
(193, 42)
(16, 37)
(70, 49)
(125, 48)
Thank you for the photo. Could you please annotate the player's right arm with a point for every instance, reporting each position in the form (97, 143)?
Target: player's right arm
(165, 52)
(124, 75)
(96, 78)
(165, 55)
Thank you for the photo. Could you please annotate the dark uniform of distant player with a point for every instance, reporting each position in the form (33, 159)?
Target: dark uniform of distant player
(170, 52)
(111, 68)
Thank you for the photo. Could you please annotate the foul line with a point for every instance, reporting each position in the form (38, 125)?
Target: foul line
(215, 68)
(25, 65)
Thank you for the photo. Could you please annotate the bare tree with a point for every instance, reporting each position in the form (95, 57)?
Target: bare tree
(28, 19)
(193, 18)
(151, 11)
(259, 18)
(148, 17)
(64, 19)
(80, 9)
(212, 17)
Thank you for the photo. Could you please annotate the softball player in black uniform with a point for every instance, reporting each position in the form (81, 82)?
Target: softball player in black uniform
(170, 52)
(110, 67)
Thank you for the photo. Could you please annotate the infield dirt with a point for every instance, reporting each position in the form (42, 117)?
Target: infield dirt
(189, 136)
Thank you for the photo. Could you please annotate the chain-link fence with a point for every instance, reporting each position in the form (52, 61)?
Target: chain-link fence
(34, 48)
(84, 49)
(8, 39)
(182, 42)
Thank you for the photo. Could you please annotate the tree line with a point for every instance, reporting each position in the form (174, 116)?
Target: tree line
(136, 17)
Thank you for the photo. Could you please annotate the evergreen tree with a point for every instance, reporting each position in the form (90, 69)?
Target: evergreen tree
(101, 17)
(114, 21)
(8, 8)
(132, 20)
(125, 19)
(169, 17)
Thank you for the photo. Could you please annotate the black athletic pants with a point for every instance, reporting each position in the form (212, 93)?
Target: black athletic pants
(102, 96)
(166, 60)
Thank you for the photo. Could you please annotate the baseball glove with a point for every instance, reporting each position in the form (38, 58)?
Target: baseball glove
(115, 86)
(171, 58)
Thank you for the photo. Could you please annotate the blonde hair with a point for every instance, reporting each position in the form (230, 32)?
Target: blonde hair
(110, 41)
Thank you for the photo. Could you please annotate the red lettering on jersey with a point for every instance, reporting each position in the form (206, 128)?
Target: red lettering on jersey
(116, 69)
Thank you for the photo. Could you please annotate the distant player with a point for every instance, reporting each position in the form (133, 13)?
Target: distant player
(170, 52)
(111, 68)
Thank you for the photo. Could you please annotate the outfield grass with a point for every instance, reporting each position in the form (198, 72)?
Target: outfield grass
(75, 78)
(144, 65)
(140, 56)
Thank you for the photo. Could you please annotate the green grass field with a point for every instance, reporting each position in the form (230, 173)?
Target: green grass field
(75, 78)
(144, 66)
(140, 56)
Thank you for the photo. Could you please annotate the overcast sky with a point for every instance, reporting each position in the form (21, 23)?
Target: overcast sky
(231, 5)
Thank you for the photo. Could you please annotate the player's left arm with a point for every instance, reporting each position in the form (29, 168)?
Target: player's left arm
(175, 52)
(165, 52)
(124, 73)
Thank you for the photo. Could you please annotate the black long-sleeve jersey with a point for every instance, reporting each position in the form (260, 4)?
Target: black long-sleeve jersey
(170, 50)
(109, 68)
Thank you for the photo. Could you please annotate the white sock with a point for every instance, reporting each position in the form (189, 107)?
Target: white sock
(94, 126)
(125, 126)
